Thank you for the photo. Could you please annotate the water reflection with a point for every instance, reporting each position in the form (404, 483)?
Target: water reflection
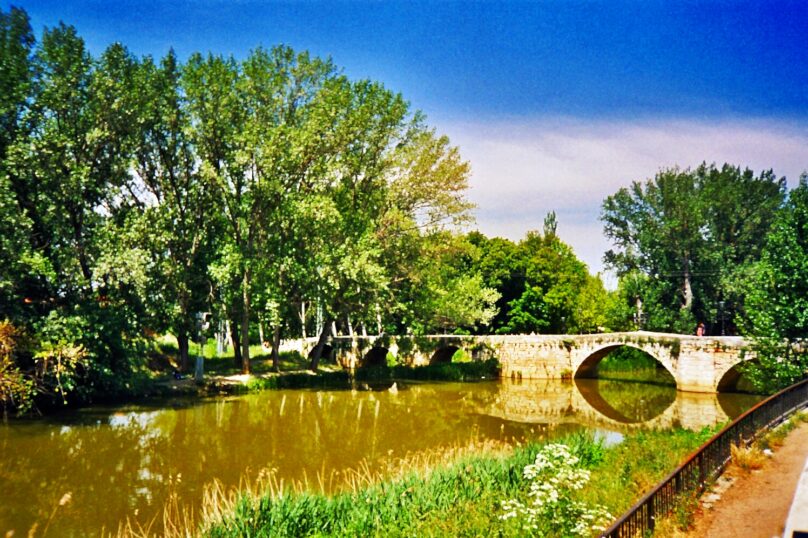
(119, 462)
(615, 405)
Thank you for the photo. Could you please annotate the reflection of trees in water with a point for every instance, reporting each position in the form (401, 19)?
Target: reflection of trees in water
(611, 404)
(627, 402)
(93, 463)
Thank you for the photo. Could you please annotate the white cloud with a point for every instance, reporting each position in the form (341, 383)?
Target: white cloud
(522, 169)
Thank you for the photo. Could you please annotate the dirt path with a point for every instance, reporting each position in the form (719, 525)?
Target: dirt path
(756, 504)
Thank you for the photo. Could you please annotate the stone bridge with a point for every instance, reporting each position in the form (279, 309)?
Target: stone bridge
(698, 364)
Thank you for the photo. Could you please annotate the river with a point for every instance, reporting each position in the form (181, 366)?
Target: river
(85, 471)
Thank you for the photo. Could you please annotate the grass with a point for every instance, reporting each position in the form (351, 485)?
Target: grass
(774, 438)
(747, 458)
(295, 366)
(222, 364)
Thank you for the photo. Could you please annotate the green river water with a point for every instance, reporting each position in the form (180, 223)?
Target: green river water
(106, 464)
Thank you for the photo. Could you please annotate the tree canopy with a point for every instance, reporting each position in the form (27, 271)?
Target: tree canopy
(691, 233)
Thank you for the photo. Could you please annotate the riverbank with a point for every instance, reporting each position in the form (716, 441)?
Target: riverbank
(462, 496)
(333, 378)
(222, 378)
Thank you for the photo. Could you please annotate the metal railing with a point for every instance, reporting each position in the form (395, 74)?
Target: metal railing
(707, 463)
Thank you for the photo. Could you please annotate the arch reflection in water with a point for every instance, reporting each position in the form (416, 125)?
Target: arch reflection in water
(615, 405)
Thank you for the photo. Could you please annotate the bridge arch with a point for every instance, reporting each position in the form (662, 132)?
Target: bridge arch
(444, 354)
(733, 380)
(326, 355)
(375, 356)
(589, 365)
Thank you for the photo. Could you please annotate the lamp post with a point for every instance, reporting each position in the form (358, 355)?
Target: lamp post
(721, 305)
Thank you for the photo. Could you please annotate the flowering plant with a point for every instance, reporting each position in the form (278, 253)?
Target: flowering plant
(554, 476)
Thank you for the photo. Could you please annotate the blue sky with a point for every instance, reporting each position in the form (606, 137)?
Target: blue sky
(556, 104)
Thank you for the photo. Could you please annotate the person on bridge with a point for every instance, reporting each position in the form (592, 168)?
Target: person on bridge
(700, 329)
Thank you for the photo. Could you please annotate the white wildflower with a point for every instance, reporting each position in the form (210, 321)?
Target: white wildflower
(553, 475)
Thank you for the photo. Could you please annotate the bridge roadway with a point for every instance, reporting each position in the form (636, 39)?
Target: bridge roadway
(697, 363)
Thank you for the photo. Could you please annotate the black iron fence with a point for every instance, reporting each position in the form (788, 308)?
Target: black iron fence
(704, 465)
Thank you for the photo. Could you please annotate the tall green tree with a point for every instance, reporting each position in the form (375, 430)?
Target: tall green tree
(554, 277)
(502, 267)
(431, 286)
(65, 169)
(266, 131)
(777, 304)
(690, 231)
(18, 272)
(173, 210)
(348, 272)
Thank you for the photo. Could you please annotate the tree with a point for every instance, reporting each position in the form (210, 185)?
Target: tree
(443, 290)
(553, 280)
(18, 270)
(173, 209)
(502, 267)
(688, 230)
(60, 181)
(778, 302)
(432, 284)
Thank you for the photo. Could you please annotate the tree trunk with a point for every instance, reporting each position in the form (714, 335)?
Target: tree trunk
(228, 334)
(276, 343)
(318, 349)
(245, 323)
(687, 287)
(236, 341)
(303, 319)
(261, 333)
(182, 344)
(319, 324)
(350, 326)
